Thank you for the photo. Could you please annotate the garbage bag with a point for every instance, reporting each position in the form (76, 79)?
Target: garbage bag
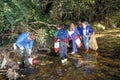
(93, 43)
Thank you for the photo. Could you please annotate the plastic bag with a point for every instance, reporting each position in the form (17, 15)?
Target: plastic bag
(78, 41)
(93, 43)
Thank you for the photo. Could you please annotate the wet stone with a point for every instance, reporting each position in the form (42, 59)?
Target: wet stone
(59, 71)
(53, 78)
(29, 71)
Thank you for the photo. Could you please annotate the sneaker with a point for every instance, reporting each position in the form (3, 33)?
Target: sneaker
(65, 60)
(62, 61)
(72, 53)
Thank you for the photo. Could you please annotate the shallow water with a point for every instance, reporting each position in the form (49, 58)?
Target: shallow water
(92, 68)
(103, 64)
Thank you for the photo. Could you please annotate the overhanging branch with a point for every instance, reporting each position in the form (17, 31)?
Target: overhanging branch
(40, 22)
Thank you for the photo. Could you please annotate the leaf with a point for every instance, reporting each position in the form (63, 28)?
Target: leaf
(12, 28)
(9, 17)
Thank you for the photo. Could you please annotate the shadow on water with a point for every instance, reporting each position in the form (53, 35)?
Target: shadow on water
(29, 71)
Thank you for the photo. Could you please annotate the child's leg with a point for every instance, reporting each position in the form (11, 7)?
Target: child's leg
(61, 51)
(65, 50)
(85, 41)
(74, 47)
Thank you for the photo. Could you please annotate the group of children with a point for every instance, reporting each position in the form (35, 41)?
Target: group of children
(25, 40)
(82, 31)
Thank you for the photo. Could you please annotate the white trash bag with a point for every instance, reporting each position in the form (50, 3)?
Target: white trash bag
(93, 43)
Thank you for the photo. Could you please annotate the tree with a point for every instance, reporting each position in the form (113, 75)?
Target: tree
(13, 13)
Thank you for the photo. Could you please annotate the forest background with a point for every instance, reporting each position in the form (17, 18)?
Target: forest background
(41, 16)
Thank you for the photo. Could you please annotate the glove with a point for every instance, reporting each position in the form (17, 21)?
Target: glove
(14, 46)
(22, 48)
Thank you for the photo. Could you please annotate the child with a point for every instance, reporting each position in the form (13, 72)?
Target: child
(24, 43)
(73, 32)
(63, 36)
(85, 31)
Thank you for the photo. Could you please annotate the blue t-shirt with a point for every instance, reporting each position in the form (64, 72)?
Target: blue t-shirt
(23, 40)
(62, 34)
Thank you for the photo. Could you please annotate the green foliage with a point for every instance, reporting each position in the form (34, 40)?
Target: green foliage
(44, 36)
(116, 19)
(14, 12)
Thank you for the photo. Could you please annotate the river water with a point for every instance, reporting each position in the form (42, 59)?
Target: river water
(90, 66)
(103, 64)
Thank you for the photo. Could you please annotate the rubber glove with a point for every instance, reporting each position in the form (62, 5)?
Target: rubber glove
(30, 51)
(14, 46)
(22, 48)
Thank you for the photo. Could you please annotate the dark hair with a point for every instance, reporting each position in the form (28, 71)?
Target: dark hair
(83, 20)
(59, 26)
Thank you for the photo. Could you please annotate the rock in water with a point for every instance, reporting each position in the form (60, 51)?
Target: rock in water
(59, 71)
(12, 74)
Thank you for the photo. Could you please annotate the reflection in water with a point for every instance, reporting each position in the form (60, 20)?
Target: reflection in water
(29, 71)
(82, 65)
(59, 71)
(86, 57)
(88, 70)
(77, 62)
(86, 64)
(74, 62)
(88, 67)
(53, 78)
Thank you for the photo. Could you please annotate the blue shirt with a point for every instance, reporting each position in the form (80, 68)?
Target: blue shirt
(62, 34)
(22, 40)
(85, 31)
(75, 33)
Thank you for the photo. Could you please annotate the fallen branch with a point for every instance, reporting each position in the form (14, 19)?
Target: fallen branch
(3, 73)
(1, 70)
(40, 22)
